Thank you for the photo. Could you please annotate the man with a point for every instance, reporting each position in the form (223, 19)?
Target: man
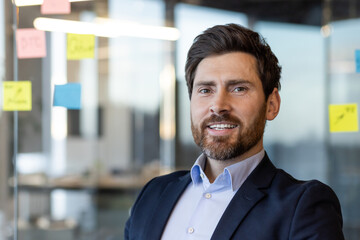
(233, 191)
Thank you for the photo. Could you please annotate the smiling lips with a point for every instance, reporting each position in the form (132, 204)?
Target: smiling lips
(221, 126)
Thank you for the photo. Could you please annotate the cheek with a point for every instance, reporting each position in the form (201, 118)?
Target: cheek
(246, 113)
(252, 114)
(197, 113)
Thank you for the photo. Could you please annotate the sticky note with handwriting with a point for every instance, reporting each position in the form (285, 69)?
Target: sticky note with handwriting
(17, 96)
(80, 46)
(56, 7)
(357, 60)
(343, 118)
(30, 43)
(68, 95)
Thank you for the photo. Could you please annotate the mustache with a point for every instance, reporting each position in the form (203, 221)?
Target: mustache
(220, 118)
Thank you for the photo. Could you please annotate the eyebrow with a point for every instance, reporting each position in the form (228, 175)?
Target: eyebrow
(205, 83)
(238, 81)
(228, 82)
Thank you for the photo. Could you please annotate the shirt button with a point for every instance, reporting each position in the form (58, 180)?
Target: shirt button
(207, 195)
(202, 175)
(190, 230)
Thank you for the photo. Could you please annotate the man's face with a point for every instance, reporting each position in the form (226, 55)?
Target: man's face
(228, 107)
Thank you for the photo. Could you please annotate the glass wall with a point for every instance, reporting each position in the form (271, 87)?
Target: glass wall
(80, 170)
(344, 148)
(296, 138)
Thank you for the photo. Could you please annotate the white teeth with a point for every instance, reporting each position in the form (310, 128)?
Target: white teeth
(222, 126)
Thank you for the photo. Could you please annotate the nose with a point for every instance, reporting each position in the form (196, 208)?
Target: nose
(220, 104)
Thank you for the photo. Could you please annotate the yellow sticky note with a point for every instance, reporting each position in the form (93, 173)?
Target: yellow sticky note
(343, 118)
(80, 46)
(17, 96)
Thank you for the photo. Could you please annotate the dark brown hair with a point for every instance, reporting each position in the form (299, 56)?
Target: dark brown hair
(222, 39)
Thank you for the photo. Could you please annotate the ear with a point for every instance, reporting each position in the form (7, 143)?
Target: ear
(273, 105)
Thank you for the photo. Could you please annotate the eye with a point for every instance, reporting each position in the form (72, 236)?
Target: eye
(239, 89)
(204, 90)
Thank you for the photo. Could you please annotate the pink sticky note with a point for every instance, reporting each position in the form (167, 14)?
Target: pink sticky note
(30, 43)
(56, 7)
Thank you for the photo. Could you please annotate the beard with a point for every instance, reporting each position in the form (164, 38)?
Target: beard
(231, 146)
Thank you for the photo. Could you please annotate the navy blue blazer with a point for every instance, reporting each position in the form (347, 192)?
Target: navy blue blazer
(270, 205)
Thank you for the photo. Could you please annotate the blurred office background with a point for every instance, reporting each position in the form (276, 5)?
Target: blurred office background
(81, 170)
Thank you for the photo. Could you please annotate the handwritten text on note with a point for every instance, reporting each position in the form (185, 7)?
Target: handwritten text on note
(17, 96)
(30, 43)
(343, 118)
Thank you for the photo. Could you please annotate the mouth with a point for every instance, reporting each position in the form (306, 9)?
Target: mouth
(222, 126)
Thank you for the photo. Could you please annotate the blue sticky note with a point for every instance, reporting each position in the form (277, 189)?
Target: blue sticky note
(357, 60)
(68, 95)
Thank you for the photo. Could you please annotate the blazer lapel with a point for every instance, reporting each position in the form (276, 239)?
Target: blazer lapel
(165, 206)
(245, 199)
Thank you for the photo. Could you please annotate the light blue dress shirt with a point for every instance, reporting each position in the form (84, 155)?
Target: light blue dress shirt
(202, 204)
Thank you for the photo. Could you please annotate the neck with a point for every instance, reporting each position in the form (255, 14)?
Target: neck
(214, 167)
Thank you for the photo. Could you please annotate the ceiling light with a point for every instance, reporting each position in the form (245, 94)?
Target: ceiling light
(103, 27)
(23, 3)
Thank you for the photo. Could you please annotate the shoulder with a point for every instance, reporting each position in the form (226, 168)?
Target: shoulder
(282, 184)
(297, 191)
(285, 188)
(317, 212)
(158, 184)
(266, 175)
(284, 180)
(172, 176)
(148, 200)
(314, 207)
(155, 188)
(167, 178)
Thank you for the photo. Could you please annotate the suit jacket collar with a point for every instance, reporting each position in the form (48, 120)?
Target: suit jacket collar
(249, 194)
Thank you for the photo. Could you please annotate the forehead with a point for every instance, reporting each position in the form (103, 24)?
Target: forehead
(229, 66)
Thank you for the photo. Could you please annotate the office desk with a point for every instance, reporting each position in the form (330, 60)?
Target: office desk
(105, 211)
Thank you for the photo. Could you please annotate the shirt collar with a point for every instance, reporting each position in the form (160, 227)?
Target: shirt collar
(197, 174)
(233, 175)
